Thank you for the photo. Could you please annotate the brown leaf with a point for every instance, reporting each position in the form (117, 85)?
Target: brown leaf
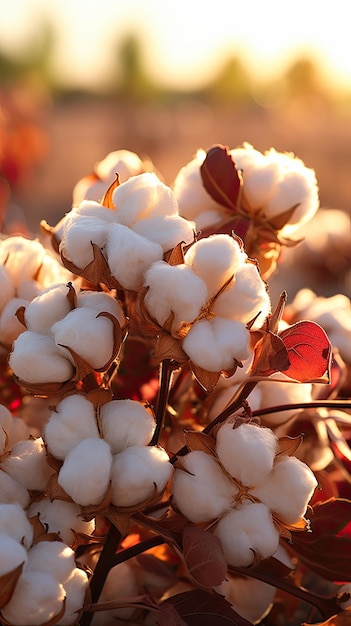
(168, 347)
(195, 440)
(207, 380)
(289, 445)
(8, 584)
(176, 256)
(283, 218)
(270, 355)
(117, 339)
(204, 558)
(107, 199)
(220, 177)
(72, 296)
(200, 608)
(55, 491)
(82, 367)
(46, 390)
(20, 315)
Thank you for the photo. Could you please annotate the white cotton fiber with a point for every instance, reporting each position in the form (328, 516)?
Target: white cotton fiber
(123, 162)
(29, 289)
(22, 257)
(90, 208)
(12, 491)
(7, 289)
(246, 534)
(130, 255)
(85, 473)
(52, 272)
(52, 557)
(143, 196)
(48, 307)
(10, 326)
(72, 420)
(5, 418)
(136, 471)
(126, 423)
(36, 359)
(12, 554)
(61, 517)
(78, 235)
(183, 293)
(247, 452)
(101, 302)
(201, 491)
(214, 345)
(282, 391)
(121, 582)
(75, 589)
(167, 231)
(38, 597)
(27, 464)
(14, 522)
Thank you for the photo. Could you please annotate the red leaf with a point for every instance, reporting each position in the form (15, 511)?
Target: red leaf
(204, 557)
(309, 352)
(199, 608)
(220, 177)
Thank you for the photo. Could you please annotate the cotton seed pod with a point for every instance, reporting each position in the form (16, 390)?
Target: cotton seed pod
(120, 583)
(72, 420)
(78, 331)
(247, 534)
(14, 522)
(63, 518)
(75, 589)
(288, 489)
(136, 471)
(10, 326)
(12, 491)
(35, 359)
(249, 597)
(7, 291)
(38, 597)
(126, 423)
(202, 492)
(47, 308)
(78, 233)
(85, 473)
(52, 557)
(247, 452)
(12, 554)
(27, 464)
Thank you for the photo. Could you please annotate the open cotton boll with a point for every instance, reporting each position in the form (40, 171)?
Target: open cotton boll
(121, 583)
(48, 307)
(168, 231)
(52, 557)
(123, 162)
(143, 196)
(288, 489)
(126, 423)
(79, 233)
(100, 301)
(247, 534)
(75, 589)
(283, 392)
(249, 597)
(91, 209)
(37, 598)
(35, 358)
(79, 330)
(14, 522)
(136, 471)
(183, 293)
(62, 518)
(10, 326)
(245, 297)
(52, 272)
(7, 290)
(27, 464)
(72, 420)
(85, 473)
(22, 257)
(215, 345)
(215, 259)
(12, 553)
(130, 255)
(19, 431)
(247, 452)
(12, 491)
(202, 492)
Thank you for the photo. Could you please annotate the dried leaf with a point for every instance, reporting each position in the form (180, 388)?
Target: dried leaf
(55, 491)
(107, 199)
(20, 315)
(270, 355)
(168, 347)
(8, 584)
(46, 390)
(289, 445)
(199, 608)
(204, 558)
(176, 256)
(220, 177)
(169, 616)
(195, 440)
(207, 380)
(309, 352)
(117, 339)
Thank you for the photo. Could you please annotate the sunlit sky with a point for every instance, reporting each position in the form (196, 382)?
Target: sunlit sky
(185, 41)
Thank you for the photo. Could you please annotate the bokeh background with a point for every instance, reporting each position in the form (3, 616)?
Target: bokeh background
(80, 78)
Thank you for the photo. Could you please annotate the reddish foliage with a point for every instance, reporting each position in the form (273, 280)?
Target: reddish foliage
(199, 608)
(309, 351)
(204, 557)
(220, 177)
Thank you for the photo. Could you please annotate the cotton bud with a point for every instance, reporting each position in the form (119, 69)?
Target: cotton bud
(201, 491)
(249, 597)
(120, 584)
(12, 554)
(126, 423)
(14, 522)
(12, 491)
(247, 452)
(247, 534)
(52, 557)
(72, 420)
(85, 473)
(21, 256)
(75, 589)
(35, 358)
(63, 518)
(47, 308)
(78, 331)
(288, 489)
(137, 472)
(7, 291)
(27, 464)
(10, 326)
(37, 598)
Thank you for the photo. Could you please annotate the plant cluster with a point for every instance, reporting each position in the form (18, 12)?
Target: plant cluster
(174, 446)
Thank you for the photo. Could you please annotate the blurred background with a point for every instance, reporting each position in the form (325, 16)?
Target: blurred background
(80, 78)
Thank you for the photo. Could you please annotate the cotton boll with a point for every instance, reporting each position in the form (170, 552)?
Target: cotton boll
(283, 391)
(48, 307)
(245, 298)
(75, 589)
(247, 452)
(120, 583)
(215, 260)
(126, 423)
(14, 522)
(79, 331)
(247, 534)
(85, 473)
(101, 302)
(19, 431)
(27, 464)
(12, 491)
(21, 256)
(7, 290)
(249, 597)
(52, 557)
(130, 255)
(79, 233)
(36, 359)
(5, 418)
(52, 272)
(143, 196)
(288, 489)
(92, 209)
(72, 420)
(123, 162)
(136, 471)
(183, 293)
(62, 518)
(29, 289)
(167, 231)
(201, 491)
(12, 554)
(10, 326)
(223, 396)
(38, 597)
(215, 345)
